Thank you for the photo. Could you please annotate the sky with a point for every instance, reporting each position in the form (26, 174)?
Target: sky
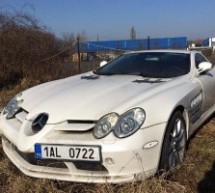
(113, 19)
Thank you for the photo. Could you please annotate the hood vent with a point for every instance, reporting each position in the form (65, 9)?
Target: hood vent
(90, 77)
(149, 80)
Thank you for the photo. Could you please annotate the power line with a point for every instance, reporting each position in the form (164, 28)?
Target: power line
(56, 54)
(86, 43)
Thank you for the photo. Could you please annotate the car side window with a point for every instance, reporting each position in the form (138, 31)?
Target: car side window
(199, 59)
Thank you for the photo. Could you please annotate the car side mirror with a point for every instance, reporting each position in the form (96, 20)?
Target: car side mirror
(204, 67)
(103, 63)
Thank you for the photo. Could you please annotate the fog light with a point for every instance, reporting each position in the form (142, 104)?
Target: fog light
(109, 161)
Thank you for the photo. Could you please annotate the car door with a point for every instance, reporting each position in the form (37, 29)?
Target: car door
(207, 81)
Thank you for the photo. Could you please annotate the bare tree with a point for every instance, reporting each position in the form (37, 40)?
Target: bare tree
(24, 44)
(67, 43)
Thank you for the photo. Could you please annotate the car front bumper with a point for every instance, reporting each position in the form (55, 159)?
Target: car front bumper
(123, 160)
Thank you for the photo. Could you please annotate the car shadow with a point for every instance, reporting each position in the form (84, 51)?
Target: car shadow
(200, 127)
(207, 184)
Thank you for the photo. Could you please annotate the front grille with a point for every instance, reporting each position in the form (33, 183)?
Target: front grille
(88, 166)
(80, 165)
(76, 125)
(81, 121)
(98, 167)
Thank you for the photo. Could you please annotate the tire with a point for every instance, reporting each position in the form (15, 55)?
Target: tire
(174, 143)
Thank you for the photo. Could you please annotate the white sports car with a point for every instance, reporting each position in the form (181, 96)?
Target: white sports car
(125, 121)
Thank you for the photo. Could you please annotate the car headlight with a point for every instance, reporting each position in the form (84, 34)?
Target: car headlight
(122, 126)
(105, 125)
(13, 106)
(129, 122)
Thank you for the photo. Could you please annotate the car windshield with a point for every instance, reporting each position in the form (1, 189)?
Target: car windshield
(148, 64)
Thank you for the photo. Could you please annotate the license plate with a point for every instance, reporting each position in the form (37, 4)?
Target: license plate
(68, 152)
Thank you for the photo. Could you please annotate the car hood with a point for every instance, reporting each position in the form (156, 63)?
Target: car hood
(87, 96)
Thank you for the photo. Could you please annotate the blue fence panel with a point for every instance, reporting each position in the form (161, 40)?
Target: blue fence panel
(139, 44)
(178, 42)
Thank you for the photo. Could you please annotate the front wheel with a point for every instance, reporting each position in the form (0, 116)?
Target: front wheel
(174, 144)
